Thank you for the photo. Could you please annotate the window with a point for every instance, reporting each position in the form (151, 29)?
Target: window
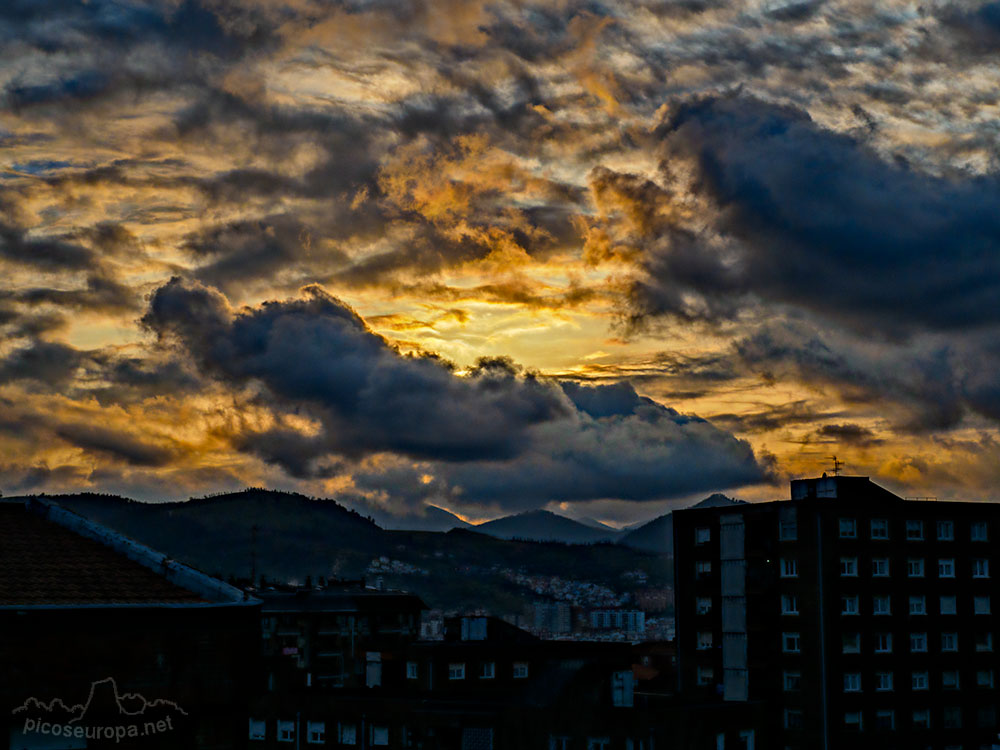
(852, 682)
(984, 678)
(456, 671)
(949, 679)
(946, 567)
(622, 688)
(848, 528)
(848, 566)
(952, 717)
(915, 567)
(706, 676)
(981, 605)
(703, 605)
(881, 605)
(258, 729)
(978, 531)
(558, 743)
(702, 535)
(883, 681)
(918, 605)
(880, 567)
(986, 717)
(520, 670)
(980, 568)
(793, 719)
(918, 642)
(380, 736)
(880, 528)
(852, 720)
(788, 529)
(945, 531)
(286, 731)
(703, 568)
(949, 605)
(704, 640)
(922, 718)
(488, 670)
(919, 681)
(915, 530)
(789, 604)
(348, 734)
(746, 739)
(885, 719)
(883, 643)
(412, 670)
(790, 643)
(949, 641)
(848, 605)
(984, 642)
(792, 681)
(598, 743)
(316, 732)
(851, 643)
(789, 567)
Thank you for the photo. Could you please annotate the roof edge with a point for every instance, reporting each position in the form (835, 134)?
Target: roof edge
(176, 572)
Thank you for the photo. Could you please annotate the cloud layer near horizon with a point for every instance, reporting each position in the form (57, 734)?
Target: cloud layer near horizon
(780, 215)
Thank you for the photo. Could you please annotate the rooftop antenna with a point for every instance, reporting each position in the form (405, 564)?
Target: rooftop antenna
(836, 466)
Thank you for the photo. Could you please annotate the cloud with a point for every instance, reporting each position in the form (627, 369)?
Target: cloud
(823, 223)
(497, 434)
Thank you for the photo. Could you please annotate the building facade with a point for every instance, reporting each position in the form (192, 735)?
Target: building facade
(859, 618)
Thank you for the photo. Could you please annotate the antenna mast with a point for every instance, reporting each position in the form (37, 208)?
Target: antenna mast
(836, 465)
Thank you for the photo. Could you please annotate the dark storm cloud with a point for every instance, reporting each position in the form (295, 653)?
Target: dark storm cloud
(45, 253)
(116, 445)
(923, 385)
(619, 445)
(850, 434)
(824, 224)
(977, 28)
(774, 417)
(497, 427)
(48, 363)
(317, 350)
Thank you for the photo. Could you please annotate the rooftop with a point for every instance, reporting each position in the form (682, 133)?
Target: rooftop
(53, 558)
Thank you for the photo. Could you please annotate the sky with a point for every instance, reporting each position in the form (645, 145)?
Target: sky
(603, 258)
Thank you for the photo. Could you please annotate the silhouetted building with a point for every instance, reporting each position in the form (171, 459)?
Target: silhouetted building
(857, 618)
(336, 636)
(106, 643)
(555, 618)
(487, 685)
(630, 622)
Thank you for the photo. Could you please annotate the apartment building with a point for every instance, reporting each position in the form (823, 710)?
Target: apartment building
(857, 617)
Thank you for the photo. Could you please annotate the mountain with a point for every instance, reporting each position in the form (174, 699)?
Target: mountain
(657, 536)
(544, 526)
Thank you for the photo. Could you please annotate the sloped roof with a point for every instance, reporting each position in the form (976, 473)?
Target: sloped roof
(50, 557)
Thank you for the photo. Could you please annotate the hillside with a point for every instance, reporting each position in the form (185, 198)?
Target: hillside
(544, 526)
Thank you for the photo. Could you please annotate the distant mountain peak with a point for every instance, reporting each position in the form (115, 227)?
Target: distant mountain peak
(542, 525)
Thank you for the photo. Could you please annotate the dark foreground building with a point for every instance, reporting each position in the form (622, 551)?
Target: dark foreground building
(106, 643)
(855, 618)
